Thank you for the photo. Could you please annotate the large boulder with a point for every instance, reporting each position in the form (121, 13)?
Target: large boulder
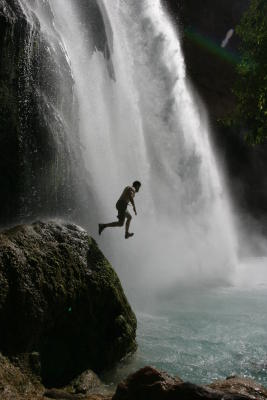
(151, 384)
(60, 297)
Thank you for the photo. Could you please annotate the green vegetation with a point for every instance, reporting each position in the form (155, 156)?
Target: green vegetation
(251, 87)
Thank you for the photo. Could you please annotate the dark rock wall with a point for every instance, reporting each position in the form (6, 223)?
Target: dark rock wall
(37, 130)
(9, 110)
(41, 168)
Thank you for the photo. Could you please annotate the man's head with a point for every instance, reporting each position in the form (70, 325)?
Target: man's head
(137, 185)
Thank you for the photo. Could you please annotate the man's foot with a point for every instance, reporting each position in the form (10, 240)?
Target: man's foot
(100, 228)
(128, 235)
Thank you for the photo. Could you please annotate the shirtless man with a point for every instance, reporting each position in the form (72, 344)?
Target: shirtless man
(121, 205)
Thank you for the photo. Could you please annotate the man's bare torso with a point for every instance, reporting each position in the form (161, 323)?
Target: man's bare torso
(127, 194)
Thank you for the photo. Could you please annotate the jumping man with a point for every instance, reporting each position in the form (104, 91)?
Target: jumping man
(121, 205)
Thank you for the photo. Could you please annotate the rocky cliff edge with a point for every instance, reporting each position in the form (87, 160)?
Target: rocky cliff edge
(61, 301)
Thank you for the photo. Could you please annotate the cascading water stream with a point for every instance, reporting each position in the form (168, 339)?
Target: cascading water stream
(138, 119)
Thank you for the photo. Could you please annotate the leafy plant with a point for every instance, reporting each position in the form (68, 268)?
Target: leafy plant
(251, 87)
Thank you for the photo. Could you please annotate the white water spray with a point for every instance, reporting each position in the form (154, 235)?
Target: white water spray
(139, 120)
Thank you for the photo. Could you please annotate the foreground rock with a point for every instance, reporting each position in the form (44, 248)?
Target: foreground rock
(147, 383)
(60, 298)
(237, 385)
(150, 384)
(17, 384)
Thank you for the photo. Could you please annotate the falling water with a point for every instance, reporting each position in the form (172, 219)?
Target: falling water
(138, 119)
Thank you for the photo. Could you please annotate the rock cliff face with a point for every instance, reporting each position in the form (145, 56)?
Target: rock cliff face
(60, 297)
(41, 167)
(38, 146)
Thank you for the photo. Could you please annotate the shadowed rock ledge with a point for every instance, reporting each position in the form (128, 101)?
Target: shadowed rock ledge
(61, 299)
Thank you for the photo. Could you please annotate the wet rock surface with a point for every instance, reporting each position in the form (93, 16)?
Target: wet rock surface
(245, 386)
(42, 173)
(37, 103)
(85, 383)
(147, 383)
(65, 300)
(151, 384)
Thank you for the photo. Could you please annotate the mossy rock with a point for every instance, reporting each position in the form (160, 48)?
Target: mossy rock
(59, 296)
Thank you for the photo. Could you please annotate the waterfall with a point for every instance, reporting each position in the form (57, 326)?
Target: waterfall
(140, 120)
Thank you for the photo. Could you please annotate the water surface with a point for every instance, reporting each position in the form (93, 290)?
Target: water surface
(204, 334)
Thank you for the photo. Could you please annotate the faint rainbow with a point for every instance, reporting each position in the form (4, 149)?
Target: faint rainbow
(211, 46)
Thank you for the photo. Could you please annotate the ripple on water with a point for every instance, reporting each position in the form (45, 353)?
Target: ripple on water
(216, 334)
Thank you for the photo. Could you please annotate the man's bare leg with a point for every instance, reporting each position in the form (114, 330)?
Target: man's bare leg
(101, 227)
(127, 226)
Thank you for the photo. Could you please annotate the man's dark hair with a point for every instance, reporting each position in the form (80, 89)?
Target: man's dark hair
(136, 183)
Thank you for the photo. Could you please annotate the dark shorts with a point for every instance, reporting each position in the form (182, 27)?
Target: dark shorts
(122, 210)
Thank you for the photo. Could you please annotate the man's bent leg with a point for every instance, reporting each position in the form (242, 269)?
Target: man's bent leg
(112, 224)
(127, 226)
(101, 227)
